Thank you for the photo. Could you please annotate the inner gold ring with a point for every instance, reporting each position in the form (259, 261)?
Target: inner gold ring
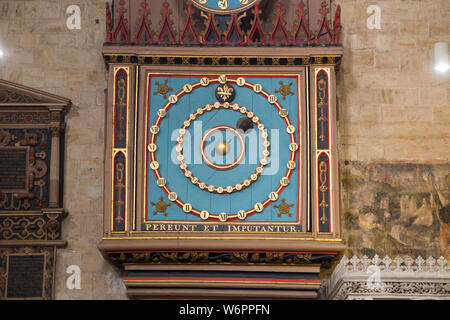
(216, 166)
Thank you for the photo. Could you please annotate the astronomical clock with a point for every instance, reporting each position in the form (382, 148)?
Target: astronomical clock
(221, 161)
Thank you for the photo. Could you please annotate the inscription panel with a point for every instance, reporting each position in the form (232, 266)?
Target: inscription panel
(25, 276)
(13, 169)
(34, 181)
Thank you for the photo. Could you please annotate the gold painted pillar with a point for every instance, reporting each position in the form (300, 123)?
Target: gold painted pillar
(55, 130)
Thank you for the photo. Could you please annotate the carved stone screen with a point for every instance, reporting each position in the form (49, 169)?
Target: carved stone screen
(25, 276)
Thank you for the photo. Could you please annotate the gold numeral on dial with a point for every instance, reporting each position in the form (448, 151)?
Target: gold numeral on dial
(290, 129)
(283, 113)
(173, 196)
(291, 165)
(204, 82)
(293, 147)
(242, 214)
(204, 215)
(223, 79)
(187, 88)
(161, 113)
(272, 98)
(173, 98)
(154, 129)
(154, 165)
(273, 196)
(223, 217)
(258, 207)
(187, 207)
(240, 82)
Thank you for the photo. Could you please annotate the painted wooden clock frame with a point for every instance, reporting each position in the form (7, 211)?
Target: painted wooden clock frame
(155, 226)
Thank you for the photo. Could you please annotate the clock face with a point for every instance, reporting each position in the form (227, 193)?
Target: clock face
(224, 6)
(223, 149)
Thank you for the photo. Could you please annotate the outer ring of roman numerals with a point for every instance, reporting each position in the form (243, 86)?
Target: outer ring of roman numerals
(258, 206)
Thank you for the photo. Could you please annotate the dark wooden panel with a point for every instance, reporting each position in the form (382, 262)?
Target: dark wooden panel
(25, 276)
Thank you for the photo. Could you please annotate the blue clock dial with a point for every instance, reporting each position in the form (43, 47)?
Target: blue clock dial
(223, 148)
(224, 6)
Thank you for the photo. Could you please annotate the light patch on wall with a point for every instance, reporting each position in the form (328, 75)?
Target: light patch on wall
(74, 280)
(441, 57)
(373, 282)
(73, 22)
(374, 20)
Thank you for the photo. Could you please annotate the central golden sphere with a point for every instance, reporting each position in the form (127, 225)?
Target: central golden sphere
(222, 147)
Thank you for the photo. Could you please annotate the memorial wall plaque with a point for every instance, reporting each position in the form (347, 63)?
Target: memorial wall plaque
(31, 194)
(25, 276)
(13, 169)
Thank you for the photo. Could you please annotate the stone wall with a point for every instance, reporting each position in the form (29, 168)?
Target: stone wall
(393, 122)
(394, 115)
(42, 53)
(392, 105)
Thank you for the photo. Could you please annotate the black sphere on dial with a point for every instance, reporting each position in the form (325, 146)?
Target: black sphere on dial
(244, 124)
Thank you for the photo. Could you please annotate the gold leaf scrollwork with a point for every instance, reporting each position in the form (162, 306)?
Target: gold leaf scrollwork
(122, 104)
(323, 119)
(323, 188)
(169, 257)
(240, 257)
(120, 186)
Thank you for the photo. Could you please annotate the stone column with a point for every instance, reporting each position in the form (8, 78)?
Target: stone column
(55, 130)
